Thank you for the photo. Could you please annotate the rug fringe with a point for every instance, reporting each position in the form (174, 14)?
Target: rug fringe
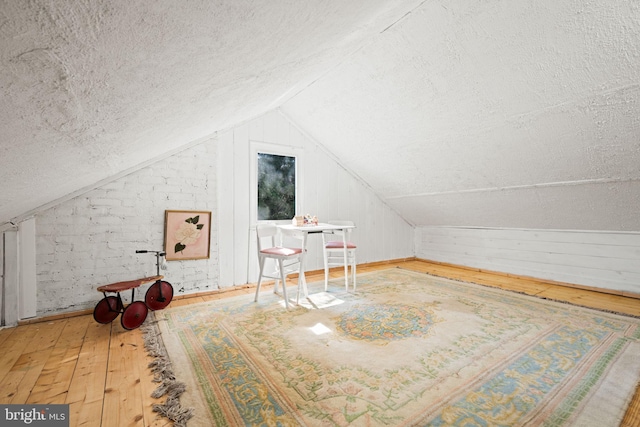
(163, 374)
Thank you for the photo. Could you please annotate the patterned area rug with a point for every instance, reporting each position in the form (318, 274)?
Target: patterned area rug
(406, 349)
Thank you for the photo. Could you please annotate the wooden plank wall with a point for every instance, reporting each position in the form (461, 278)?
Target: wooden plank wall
(27, 296)
(329, 191)
(9, 310)
(604, 260)
(1, 278)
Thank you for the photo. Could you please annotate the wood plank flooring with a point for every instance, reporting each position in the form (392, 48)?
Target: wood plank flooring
(101, 370)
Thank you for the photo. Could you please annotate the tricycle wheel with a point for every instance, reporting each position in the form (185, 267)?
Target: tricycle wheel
(159, 295)
(106, 310)
(134, 315)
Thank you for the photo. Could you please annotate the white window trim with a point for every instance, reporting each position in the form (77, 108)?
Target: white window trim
(278, 150)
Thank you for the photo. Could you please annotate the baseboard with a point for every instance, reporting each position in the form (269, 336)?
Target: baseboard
(53, 317)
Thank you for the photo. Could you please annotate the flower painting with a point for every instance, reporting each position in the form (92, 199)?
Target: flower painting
(187, 234)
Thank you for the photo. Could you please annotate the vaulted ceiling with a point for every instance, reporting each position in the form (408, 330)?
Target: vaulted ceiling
(467, 112)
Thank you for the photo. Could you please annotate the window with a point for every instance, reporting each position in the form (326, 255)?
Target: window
(276, 187)
(276, 181)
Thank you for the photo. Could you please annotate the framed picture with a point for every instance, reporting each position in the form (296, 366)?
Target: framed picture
(187, 234)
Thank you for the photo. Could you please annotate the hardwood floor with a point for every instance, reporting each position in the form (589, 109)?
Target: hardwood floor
(101, 370)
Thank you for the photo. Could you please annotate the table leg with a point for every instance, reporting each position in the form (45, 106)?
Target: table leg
(302, 279)
(303, 257)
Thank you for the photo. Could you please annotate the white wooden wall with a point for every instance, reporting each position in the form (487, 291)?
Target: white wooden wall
(606, 260)
(10, 286)
(329, 192)
(2, 322)
(27, 265)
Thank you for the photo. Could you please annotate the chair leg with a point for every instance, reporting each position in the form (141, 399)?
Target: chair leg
(275, 284)
(259, 279)
(346, 268)
(299, 286)
(284, 284)
(353, 270)
(326, 269)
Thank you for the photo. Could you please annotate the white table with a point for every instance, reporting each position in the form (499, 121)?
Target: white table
(306, 230)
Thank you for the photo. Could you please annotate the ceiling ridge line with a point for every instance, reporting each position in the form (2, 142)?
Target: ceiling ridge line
(518, 187)
(585, 97)
(345, 58)
(403, 16)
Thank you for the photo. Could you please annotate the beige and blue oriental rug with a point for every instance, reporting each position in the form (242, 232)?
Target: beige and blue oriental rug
(406, 349)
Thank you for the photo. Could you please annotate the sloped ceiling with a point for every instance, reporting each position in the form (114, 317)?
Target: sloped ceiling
(493, 113)
(464, 112)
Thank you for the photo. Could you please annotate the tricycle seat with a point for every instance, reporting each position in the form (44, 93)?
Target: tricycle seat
(129, 284)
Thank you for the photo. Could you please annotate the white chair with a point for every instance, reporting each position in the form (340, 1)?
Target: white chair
(339, 252)
(288, 259)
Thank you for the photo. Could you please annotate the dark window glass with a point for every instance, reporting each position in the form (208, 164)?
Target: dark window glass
(276, 187)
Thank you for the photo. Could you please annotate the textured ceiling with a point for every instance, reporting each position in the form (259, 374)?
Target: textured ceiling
(90, 89)
(493, 113)
(471, 113)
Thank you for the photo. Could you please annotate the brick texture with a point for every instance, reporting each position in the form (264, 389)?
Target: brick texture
(91, 240)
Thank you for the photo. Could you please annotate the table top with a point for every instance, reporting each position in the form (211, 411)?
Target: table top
(315, 228)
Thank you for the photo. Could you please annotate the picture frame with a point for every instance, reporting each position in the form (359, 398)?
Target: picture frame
(187, 234)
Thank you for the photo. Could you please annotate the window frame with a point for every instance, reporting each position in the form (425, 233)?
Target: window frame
(277, 150)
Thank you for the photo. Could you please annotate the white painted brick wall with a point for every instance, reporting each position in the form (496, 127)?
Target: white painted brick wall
(91, 240)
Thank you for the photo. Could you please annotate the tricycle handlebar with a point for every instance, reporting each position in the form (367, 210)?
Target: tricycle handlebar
(144, 251)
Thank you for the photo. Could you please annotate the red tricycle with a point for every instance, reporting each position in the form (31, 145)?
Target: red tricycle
(158, 296)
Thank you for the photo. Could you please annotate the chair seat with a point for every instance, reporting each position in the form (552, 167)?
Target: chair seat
(339, 244)
(278, 251)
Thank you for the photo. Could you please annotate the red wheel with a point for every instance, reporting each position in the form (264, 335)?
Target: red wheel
(154, 300)
(134, 315)
(106, 310)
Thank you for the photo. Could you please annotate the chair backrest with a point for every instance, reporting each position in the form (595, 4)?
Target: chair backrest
(341, 232)
(264, 231)
(294, 238)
